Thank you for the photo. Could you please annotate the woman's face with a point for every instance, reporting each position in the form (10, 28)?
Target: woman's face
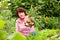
(21, 15)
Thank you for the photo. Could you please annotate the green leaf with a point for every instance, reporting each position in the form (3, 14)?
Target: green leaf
(18, 36)
(2, 35)
(2, 23)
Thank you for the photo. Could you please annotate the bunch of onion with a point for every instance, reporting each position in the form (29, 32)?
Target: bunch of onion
(29, 23)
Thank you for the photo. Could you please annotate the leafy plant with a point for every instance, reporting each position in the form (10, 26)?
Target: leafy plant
(43, 34)
(18, 36)
(2, 23)
(5, 14)
(2, 36)
(52, 22)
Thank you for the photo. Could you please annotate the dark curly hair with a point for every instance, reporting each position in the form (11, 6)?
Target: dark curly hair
(20, 9)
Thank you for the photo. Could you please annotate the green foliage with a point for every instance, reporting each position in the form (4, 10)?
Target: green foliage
(43, 34)
(4, 4)
(50, 7)
(52, 22)
(2, 35)
(47, 7)
(10, 22)
(18, 36)
(37, 10)
(2, 23)
(43, 22)
(5, 14)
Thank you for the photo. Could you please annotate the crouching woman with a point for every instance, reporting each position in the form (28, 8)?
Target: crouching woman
(20, 22)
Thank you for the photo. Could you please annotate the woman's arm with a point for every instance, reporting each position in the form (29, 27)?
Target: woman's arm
(32, 29)
(19, 26)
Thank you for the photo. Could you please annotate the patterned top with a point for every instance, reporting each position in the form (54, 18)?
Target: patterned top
(20, 27)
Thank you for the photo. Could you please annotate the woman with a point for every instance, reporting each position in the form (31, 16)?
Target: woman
(22, 18)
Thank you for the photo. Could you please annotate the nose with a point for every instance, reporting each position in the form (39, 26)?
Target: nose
(21, 14)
